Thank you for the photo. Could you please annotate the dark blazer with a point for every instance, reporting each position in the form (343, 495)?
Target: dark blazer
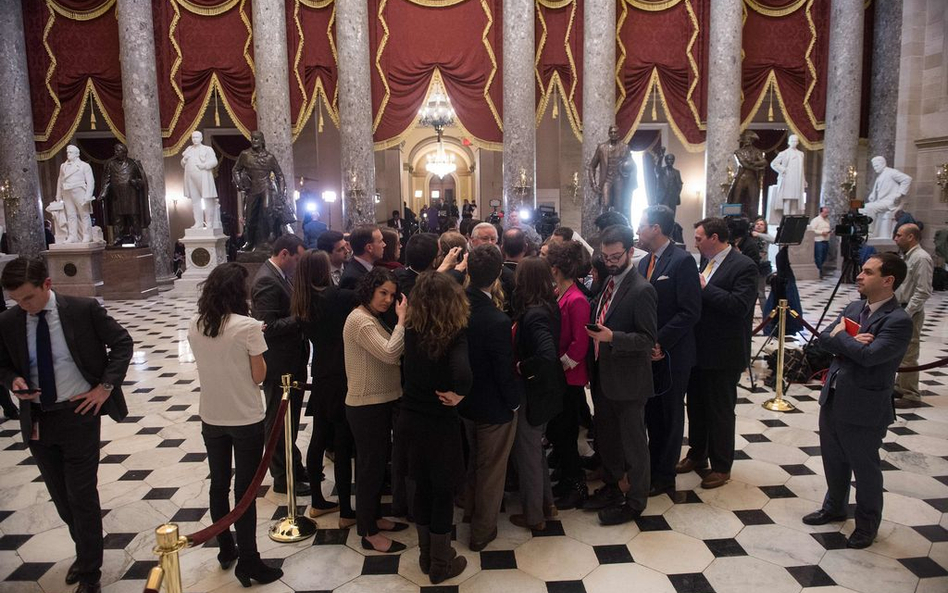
(624, 369)
(329, 309)
(496, 391)
(508, 283)
(865, 373)
(350, 276)
(678, 290)
(406, 280)
(100, 347)
(287, 351)
(536, 343)
(723, 335)
(751, 248)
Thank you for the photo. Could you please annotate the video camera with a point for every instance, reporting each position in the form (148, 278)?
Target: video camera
(546, 221)
(853, 231)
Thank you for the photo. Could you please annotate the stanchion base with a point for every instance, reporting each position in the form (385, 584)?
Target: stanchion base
(778, 405)
(292, 529)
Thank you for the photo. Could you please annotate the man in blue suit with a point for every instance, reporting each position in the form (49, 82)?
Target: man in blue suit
(674, 274)
(856, 400)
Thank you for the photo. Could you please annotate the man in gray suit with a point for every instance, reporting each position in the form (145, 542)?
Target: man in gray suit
(625, 315)
(856, 400)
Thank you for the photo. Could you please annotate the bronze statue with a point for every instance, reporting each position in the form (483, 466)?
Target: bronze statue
(266, 211)
(751, 163)
(667, 181)
(617, 178)
(124, 197)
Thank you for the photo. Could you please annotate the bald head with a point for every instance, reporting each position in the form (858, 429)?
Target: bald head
(908, 236)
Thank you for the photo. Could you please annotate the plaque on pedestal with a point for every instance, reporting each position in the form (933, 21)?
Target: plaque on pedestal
(204, 251)
(76, 268)
(128, 273)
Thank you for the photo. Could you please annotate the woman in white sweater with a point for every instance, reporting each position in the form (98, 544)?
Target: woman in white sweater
(373, 354)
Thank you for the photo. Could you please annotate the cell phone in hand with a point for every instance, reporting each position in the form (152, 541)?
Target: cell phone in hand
(593, 327)
(25, 391)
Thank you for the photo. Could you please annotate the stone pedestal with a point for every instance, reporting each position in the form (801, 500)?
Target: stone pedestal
(76, 268)
(204, 251)
(128, 273)
(251, 261)
(882, 244)
(801, 258)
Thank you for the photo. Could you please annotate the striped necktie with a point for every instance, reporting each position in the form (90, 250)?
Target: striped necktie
(651, 267)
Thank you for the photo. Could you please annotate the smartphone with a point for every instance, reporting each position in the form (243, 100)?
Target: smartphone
(593, 327)
(25, 391)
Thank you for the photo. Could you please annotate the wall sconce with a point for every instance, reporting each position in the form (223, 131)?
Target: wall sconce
(9, 200)
(941, 178)
(378, 198)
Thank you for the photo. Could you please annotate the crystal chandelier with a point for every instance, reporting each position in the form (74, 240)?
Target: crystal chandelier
(441, 163)
(438, 114)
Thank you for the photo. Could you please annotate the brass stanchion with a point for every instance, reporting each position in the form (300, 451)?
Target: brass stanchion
(169, 544)
(778, 404)
(155, 576)
(291, 528)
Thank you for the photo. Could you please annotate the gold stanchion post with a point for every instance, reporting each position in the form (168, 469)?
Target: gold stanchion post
(169, 544)
(291, 528)
(778, 404)
(153, 583)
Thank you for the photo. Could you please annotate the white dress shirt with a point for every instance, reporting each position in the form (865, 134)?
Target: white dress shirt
(69, 380)
(718, 260)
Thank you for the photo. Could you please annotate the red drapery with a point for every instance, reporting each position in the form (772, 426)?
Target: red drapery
(311, 49)
(411, 39)
(72, 55)
(559, 59)
(662, 50)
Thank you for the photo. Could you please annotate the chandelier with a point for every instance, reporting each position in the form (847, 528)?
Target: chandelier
(437, 113)
(441, 163)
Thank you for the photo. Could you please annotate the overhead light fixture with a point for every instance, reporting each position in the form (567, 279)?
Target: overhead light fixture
(437, 113)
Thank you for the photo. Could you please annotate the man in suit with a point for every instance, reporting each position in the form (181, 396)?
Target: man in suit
(287, 350)
(514, 248)
(367, 246)
(65, 359)
(336, 246)
(420, 255)
(855, 402)
(398, 224)
(620, 364)
(674, 274)
(723, 337)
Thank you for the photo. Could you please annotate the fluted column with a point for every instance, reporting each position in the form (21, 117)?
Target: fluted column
(355, 113)
(724, 99)
(884, 86)
(271, 77)
(142, 122)
(520, 132)
(840, 141)
(599, 92)
(22, 213)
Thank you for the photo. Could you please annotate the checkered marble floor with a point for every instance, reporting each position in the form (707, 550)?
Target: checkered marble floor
(743, 537)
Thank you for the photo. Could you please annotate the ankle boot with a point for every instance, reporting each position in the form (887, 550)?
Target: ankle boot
(251, 567)
(227, 553)
(424, 548)
(445, 563)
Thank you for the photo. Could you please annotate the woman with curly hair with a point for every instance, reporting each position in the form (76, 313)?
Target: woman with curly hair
(437, 377)
(228, 347)
(372, 354)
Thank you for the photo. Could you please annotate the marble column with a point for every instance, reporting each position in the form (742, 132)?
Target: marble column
(884, 86)
(355, 113)
(520, 132)
(841, 138)
(271, 76)
(599, 93)
(143, 124)
(724, 99)
(22, 214)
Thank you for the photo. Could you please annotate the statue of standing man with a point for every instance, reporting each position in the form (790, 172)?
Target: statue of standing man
(617, 175)
(124, 196)
(885, 198)
(75, 191)
(198, 162)
(751, 163)
(265, 209)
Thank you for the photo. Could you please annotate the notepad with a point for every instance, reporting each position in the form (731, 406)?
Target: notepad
(852, 327)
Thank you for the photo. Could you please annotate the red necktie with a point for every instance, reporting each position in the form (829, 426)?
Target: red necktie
(604, 307)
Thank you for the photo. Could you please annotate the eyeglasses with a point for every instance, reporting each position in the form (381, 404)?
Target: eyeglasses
(612, 259)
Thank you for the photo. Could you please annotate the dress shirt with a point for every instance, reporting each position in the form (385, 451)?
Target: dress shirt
(917, 286)
(718, 260)
(617, 282)
(821, 227)
(69, 380)
(336, 274)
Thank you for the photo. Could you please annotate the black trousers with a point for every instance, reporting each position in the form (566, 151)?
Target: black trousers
(665, 422)
(246, 443)
(563, 432)
(712, 395)
(337, 433)
(274, 393)
(623, 445)
(372, 431)
(67, 454)
(847, 450)
(6, 401)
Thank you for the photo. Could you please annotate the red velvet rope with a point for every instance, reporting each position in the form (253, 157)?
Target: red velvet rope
(218, 527)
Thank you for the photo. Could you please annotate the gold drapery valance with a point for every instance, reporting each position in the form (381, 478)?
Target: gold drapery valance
(436, 3)
(653, 5)
(771, 11)
(212, 10)
(80, 15)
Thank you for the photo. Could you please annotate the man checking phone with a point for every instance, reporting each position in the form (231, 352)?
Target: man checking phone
(65, 359)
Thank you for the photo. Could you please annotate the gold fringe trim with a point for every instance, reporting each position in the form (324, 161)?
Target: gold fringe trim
(620, 59)
(493, 72)
(89, 95)
(759, 8)
(81, 15)
(215, 10)
(49, 76)
(315, 3)
(694, 65)
(175, 66)
(774, 86)
(653, 5)
(247, 45)
(435, 3)
(296, 68)
(556, 82)
(334, 106)
(378, 66)
(555, 4)
(818, 125)
(655, 85)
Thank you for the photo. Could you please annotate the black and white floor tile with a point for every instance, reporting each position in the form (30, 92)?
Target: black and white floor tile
(743, 537)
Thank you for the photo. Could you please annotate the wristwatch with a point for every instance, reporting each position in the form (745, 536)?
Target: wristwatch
(108, 387)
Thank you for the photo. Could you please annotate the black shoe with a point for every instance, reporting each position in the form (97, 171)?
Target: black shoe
(227, 557)
(302, 488)
(607, 496)
(72, 575)
(253, 568)
(822, 517)
(659, 489)
(618, 515)
(88, 588)
(860, 539)
(393, 548)
(575, 497)
(396, 526)
(12, 414)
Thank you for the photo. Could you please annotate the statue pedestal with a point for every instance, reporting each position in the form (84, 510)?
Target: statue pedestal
(251, 261)
(128, 273)
(882, 244)
(76, 268)
(801, 258)
(204, 251)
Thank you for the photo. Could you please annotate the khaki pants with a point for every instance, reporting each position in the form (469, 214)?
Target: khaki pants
(490, 446)
(906, 384)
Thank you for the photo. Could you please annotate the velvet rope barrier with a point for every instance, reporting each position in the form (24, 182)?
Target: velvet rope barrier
(218, 527)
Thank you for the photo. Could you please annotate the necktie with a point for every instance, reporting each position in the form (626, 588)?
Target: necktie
(44, 361)
(708, 269)
(604, 308)
(336, 277)
(864, 316)
(651, 267)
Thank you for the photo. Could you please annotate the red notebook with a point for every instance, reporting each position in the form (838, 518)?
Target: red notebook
(852, 327)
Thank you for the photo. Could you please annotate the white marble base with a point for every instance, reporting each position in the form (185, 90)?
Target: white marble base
(882, 244)
(204, 251)
(92, 245)
(801, 259)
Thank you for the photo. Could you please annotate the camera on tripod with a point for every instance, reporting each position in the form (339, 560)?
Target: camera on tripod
(853, 231)
(547, 221)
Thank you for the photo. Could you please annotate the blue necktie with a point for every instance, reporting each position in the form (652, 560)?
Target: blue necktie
(44, 361)
(864, 316)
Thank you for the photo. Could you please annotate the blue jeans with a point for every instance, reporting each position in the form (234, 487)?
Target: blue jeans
(820, 249)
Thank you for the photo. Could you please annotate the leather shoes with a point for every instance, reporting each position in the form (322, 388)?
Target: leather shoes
(618, 515)
(302, 488)
(905, 404)
(72, 575)
(521, 521)
(715, 480)
(607, 496)
(822, 517)
(659, 489)
(478, 546)
(88, 588)
(860, 539)
(688, 464)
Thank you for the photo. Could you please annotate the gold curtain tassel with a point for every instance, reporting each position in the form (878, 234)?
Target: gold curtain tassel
(91, 115)
(217, 113)
(556, 104)
(319, 120)
(770, 106)
(654, 103)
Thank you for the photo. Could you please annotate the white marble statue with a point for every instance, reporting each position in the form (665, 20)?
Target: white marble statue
(75, 190)
(885, 198)
(791, 182)
(199, 161)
